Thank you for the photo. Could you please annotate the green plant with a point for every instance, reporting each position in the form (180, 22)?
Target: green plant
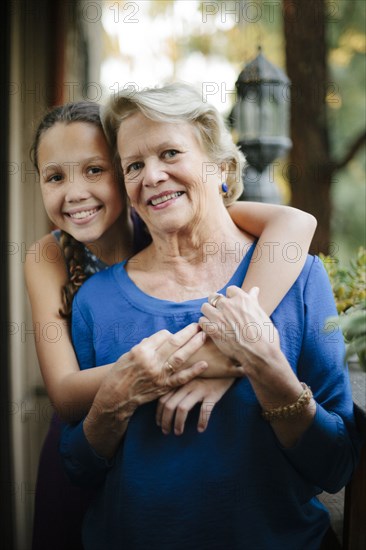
(349, 289)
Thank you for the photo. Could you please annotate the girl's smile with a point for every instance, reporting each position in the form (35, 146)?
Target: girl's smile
(79, 188)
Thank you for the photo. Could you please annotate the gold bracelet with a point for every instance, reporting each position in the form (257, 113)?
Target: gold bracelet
(294, 409)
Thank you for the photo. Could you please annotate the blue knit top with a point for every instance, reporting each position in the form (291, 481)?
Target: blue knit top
(233, 486)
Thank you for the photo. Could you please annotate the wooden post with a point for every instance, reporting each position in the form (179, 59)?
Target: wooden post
(354, 526)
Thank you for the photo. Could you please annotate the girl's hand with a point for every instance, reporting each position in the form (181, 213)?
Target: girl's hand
(219, 364)
(173, 407)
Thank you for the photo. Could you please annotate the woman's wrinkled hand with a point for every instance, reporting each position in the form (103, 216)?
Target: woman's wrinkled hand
(240, 327)
(149, 370)
(154, 366)
(174, 407)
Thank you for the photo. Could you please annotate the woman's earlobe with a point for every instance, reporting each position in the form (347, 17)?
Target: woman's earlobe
(223, 188)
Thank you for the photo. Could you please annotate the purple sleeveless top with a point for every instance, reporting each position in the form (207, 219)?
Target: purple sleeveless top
(59, 506)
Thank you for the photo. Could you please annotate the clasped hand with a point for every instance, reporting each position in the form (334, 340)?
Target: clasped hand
(145, 373)
(156, 365)
(240, 327)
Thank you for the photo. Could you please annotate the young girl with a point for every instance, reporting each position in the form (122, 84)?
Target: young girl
(84, 198)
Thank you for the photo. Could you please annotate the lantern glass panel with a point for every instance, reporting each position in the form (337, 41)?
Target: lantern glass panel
(248, 119)
(274, 111)
(261, 112)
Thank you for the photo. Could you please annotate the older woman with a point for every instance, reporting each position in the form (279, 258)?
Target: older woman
(250, 480)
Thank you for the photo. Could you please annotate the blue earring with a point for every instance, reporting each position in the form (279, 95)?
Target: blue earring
(224, 188)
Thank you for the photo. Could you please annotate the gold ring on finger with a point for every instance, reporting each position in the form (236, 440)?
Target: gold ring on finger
(170, 368)
(215, 300)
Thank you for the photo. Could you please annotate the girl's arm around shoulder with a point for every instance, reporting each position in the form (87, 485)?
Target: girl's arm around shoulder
(285, 235)
(70, 390)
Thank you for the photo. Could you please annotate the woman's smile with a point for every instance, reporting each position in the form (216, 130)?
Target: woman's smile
(163, 165)
(164, 199)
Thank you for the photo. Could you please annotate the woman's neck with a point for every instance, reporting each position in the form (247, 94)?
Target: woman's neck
(197, 245)
(191, 265)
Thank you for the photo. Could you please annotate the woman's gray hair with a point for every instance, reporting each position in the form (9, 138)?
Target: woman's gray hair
(174, 103)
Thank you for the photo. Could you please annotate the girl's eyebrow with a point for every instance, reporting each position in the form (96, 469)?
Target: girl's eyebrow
(96, 157)
(58, 164)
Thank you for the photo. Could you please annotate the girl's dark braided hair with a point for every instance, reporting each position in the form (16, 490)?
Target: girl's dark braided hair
(73, 250)
(74, 253)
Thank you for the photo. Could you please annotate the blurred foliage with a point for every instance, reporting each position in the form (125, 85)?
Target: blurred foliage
(349, 289)
(348, 283)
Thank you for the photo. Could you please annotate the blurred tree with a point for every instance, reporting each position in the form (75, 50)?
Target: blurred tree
(312, 166)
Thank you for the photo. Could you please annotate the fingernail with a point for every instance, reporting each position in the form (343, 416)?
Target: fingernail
(177, 432)
(165, 432)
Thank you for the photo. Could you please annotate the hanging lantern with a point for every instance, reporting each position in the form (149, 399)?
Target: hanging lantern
(260, 116)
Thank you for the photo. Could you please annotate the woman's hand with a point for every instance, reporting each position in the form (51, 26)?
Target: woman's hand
(241, 329)
(159, 363)
(149, 370)
(173, 407)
